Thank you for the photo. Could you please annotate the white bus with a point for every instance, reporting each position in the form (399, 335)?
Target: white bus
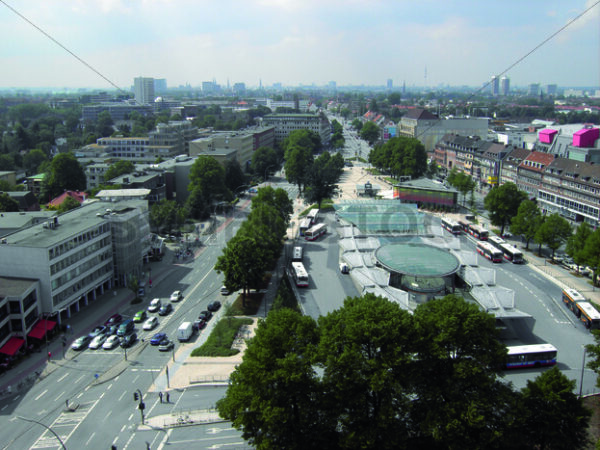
(313, 233)
(453, 227)
(312, 215)
(304, 225)
(300, 274)
(297, 255)
(538, 355)
(490, 252)
(512, 253)
(496, 241)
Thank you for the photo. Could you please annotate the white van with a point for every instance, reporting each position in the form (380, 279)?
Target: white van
(185, 331)
(297, 256)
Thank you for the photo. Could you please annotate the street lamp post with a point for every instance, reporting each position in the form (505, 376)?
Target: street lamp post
(47, 428)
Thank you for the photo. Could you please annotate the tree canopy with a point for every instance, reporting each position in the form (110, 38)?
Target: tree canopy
(503, 202)
(119, 168)
(207, 175)
(262, 159)
(461, 181)
(527, 221)
(553, 232)
(298, 161)
(322, 177)
(65, 173)
(370, 132)
(400, 156)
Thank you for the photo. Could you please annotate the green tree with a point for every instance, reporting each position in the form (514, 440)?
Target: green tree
(527, 221)
(196, 206)
(503, 202)
(8, 204)
(462, 182)
(357, 125)
(277, 198)
(234, 175)
(322, 177)
(370, 132)
(298, 161)
(33, 159)
(576, 244)
(7, 162)
(119, 168)
(273, 394)
(591, 253)
(262, 159)
(305, 139)
(167, 214)
(65, 174)
(209, 176)
(553, 418)
(553, 232)
(68, 204)
(104, 124)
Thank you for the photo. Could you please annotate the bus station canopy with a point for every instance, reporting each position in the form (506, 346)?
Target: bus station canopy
(382, 216)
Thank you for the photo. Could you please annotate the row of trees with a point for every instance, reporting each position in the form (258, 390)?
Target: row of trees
(400, 156)
(337, 138)
(257, 243)
(371, 375)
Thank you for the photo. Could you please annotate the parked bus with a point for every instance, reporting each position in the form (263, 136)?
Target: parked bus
(300, 274)
(297, 255)
(490, 252)
(464, 224)
(496, 241)
(312, 215)
(304, 225)
(512, 253)
(478, 232)
(450, 225)
(523, 356)
(313, 233)
(583, 310)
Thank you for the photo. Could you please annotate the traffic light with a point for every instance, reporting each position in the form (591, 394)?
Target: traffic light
(136, 396)
(142, 406)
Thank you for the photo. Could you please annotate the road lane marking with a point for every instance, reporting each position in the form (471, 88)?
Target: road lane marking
(122, 395)
(4, 407)
(59, 395)
(41, 395)
(130, 417)
(62, 378)
(91, 436)
(123, 428)
(109, 386)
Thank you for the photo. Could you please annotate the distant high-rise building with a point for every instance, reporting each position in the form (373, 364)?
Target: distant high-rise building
(404, 87)
(143, 89)
(160, 85)
(390, 84)
(534, 89)
(239, 88)
(332, 85)
(551, 89)
(504, 86)
(208, 87)
(495, 86)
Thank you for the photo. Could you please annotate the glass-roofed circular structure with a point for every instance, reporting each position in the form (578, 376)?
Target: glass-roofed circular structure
(417, 268)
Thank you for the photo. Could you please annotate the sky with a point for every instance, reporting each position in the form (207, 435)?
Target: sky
(298, 42)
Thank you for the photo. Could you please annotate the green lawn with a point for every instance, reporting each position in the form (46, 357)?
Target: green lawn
(221, 339)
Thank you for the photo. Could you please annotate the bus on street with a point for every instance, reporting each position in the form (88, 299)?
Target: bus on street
(479, 232)
(300, 274)
(512, 253)
(313, 233)
(490, 252)
(304, 225)
(312, 215)
(524, 356)
(450, 225)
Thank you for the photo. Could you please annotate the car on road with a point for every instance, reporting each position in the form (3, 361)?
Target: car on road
(214, 306)
(100, 329)
(205, 315)
(165, 309)
(125, 328)
(151, 323)
(115, 319)
(155, 305)
(176, 296)
(252, 191)
(140, 316)
(81, 342)
(128, 340)
(224, 290)
(155, 340)
(97, 341)
(199, 324)
(165, 345)
(111, 342)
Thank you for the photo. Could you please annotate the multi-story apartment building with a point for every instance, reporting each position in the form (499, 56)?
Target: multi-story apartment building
(137, 149)
(286, 123)
(573, 141)
(529, 172)
(117, 111)
(94, 174)
(508, 173)
(154, 181)
(176, 133)
(143, 89)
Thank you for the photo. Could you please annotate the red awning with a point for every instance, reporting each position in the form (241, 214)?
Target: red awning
(12, 346)
(41, 328)
(37, 333)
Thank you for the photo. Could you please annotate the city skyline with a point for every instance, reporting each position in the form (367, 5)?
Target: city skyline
(353, 42)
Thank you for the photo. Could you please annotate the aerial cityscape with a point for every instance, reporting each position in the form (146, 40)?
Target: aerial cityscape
(277, 224)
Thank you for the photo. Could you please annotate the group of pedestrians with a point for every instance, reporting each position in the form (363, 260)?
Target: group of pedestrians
(166, 396)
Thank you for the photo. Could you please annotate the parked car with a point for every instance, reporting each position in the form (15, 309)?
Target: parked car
(224, 290)
(214, 306)
(111, 342)
(155, 340)
(100, 329)
(97, 341)
(140, 316)
(205, 315)
(165, 309)
(199, 324)
(115, 319)
(165, 345)
(150, 323)
(81, 342)
(128, 340)
(176, 296)
(112, 329)
(155, 305)
(125, 328)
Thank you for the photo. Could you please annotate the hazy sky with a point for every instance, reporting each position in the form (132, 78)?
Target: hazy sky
(419, 42)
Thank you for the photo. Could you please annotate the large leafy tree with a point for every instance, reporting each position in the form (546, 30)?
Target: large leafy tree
(527, 221)
(208, 175)
(234, 175)
(462, 182)
(553, 417)
(65, 173)
(323, 176)
(277, 198)
(400, 156)
(119, 168)
(167, 214)
(33, 159)
(576, 244)
(357, 124)
(370, 132)
(8, 204)
(263, 159)
(502, 203)
(306, 139)
(553, 232)
(298, 161)
(196, 206)
(591, 253)
(273, 395)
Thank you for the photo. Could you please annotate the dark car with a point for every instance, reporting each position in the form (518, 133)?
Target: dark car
(214, 306)
(112, 329)
(115, 319)
(165, 345)
(81, 342)
(125, 328)
(205, 315)
(128, 340)
(157, 338)
(100, 329)
(199, 324)
(165, 309)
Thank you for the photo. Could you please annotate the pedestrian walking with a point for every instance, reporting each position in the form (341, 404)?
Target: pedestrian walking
(160, 396)
(168, 398)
